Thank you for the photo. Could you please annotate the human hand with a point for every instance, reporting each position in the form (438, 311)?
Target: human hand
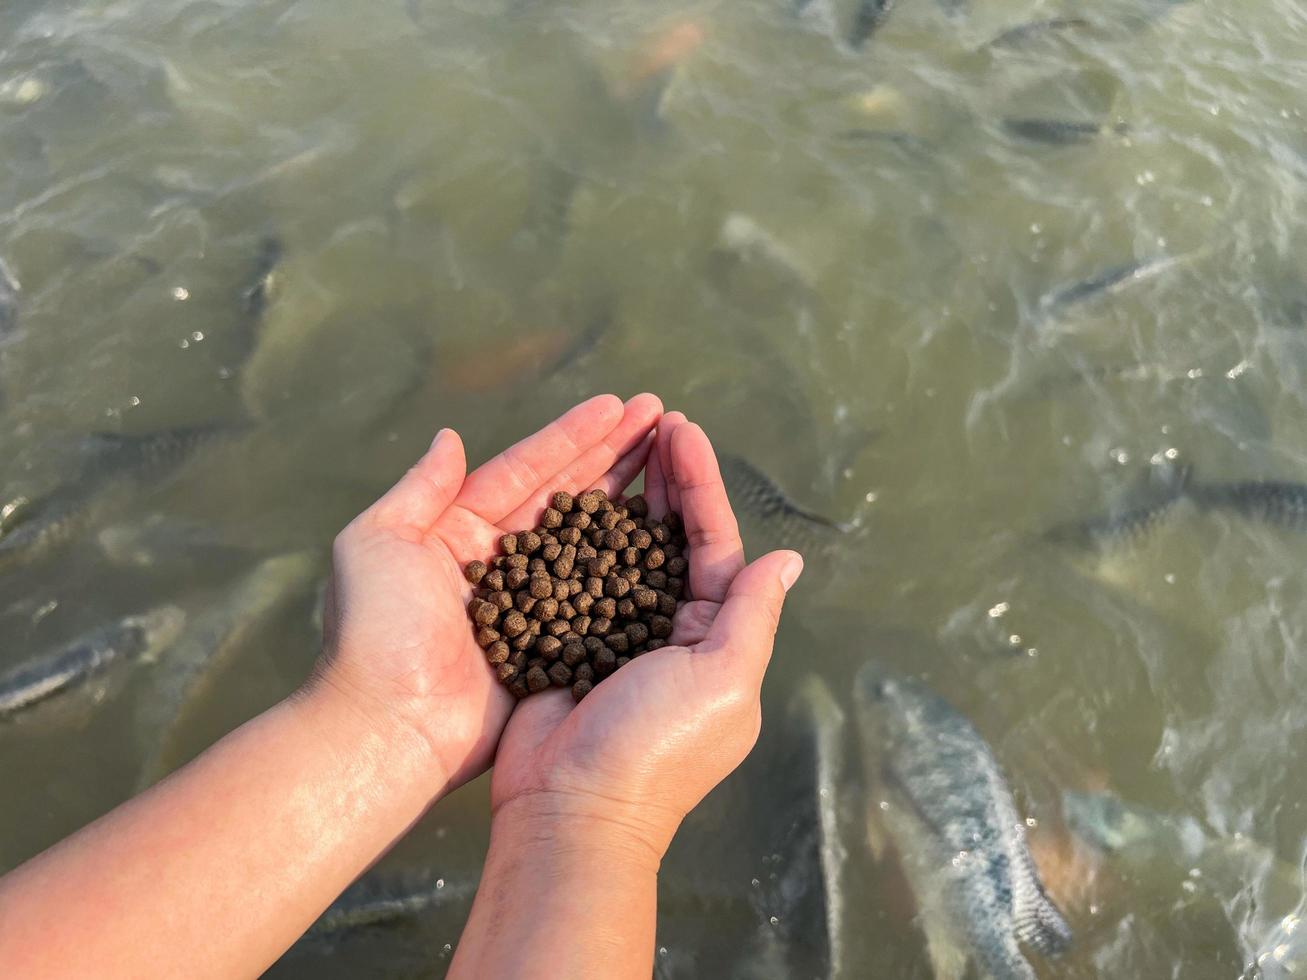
(647, 744)
(397, 643)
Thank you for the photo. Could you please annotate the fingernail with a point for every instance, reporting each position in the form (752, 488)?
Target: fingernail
(439, 435)
(791, 572)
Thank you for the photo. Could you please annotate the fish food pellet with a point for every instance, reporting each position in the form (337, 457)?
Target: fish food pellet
(571, 601)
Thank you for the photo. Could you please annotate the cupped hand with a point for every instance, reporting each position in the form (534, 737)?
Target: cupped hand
(649, 742)
(398, 642)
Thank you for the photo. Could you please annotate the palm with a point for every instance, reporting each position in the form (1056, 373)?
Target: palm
(398, 625)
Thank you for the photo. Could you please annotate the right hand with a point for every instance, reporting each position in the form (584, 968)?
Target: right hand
(650, 741)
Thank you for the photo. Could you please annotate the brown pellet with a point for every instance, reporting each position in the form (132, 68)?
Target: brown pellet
(595, 535)
(605, 662)
(616, 586)
(666, 604)
(486, 636)
(535, 662)
(574, 653)
(534, 627)
(675, 586)
(578, 519)
(518, 657)
(632, 575)
(626, 609)
(645, 599)
(593, 645)
(637, 506)
(517, 687)
(475, 571)
(581, 625)
(677, 567)
(566, 610)
(503, 601)
(608, 520)
(583, 602)
(585, 553)
(660, 627)
(536, 679)
(524, 602)
(516, 561)
(580, 689)
(545, 610)
(617, 642)
(584, 672)
(653, 645)
(514, 624)
(561, 589)
(672, 550)
(497, 652)
(588, 502)
(575, 587)
(562, 502)
(538, 566)
(571, 636)
(594, 586)
(626, 526)
(653, 558)
(630, 557)
(494, 580)
(606, 607)
(551, 518)
(522, 641)
(637, 633)
(563, 566)
(557, 628)
(560, 675)
(484, 613)
(615, 540)
(508, 544)
(673, 522)
(550, 551)
(516, 578)
(622, 662)
(540, 587)
(505, 672)
(642, 540)
(656, 579)
(600, 626)
(660, 534)
(528, 542)
(569, 535)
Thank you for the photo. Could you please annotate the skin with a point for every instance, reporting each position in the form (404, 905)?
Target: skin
(225, 863)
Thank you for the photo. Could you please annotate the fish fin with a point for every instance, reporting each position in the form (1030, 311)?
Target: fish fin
(948, 960)
(1038, 923)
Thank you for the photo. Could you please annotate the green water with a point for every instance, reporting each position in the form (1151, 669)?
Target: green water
(486, 210)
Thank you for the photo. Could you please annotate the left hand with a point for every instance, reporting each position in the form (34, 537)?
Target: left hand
(398, 642)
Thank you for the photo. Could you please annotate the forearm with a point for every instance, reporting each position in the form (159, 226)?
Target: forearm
(561, 896)
(217, 870)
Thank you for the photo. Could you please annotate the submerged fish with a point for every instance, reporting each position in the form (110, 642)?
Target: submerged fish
(208, 645)
(1022, 34)
(263, 287)
(1112, 281)
(816, 733)
(868, 17)
(9, 290)
(115, 468)
(385, 899)
(755, 494)
(940, 796)
(1061, 132)
(135, 639)
(161, 540)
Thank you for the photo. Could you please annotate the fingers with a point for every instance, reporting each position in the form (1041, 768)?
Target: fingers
(746, 623)
(616, 453)
(522, 471)
(670, 423)
(655, 484)
(426, 490)
(716, 552)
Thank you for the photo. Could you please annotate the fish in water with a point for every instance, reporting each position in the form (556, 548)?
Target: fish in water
(1062, 132)
(9, 290)
(815, 732)
(263, 287)
(175, 543)
(135, 639)
(868, 17)
(1112, 281)
(387, 899)
(114, 469)
(755, 494)
(210, 642)
(1284, 953)
(1026, 33)
(939, 795)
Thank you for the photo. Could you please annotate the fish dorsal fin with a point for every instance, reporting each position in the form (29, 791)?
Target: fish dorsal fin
(1038, 922)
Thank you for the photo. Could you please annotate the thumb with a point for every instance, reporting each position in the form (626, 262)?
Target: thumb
(746, 624)
(428, 488)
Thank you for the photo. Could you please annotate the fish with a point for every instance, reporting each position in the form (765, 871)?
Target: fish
(757, 496)
(868, 17)
(1061, 132)
(114, 469)
(1015, 37)
(938, 793)
(136, 639)
(383, 899)
(174, 543)
(893, 137)
(10, 288)
(1283, 955)
(212, 639)
(1112, 281)
(263, 286)
(742, 237)
(1278, 503)
(815, 730)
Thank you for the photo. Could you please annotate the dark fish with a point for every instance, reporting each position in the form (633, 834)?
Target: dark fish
(387, 899)
(9, 290)
(754, 494)
(1279, 503)
(114, 469)
(868, 18)
(1025, 33)
(894, 137)
(1061, 132)
(256, 297)
(211, 640)
(939, 794)
(1111, 281)
(134, 639)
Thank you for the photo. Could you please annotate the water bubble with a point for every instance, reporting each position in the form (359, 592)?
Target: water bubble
(133, 401)
(1031, 822)
(774, 921)
(1120, 456)
(1093, 909)
(662, 950)
(998, 610)
(1237, 370)
(1193, 374)
(884, 804)
(1169, 578)
(1014, 640)
(184, 343)
(1206, 200)
(871, 496)
(181, 293)
(440, 883)
(197, 336)
(225, 373)
(755, 882)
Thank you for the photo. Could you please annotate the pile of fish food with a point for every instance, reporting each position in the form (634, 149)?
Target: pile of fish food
(575, 599)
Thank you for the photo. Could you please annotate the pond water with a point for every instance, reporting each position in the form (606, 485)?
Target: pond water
(952, 284)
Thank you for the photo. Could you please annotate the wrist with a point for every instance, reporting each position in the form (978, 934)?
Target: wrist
(584, 830)
(353, 725)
